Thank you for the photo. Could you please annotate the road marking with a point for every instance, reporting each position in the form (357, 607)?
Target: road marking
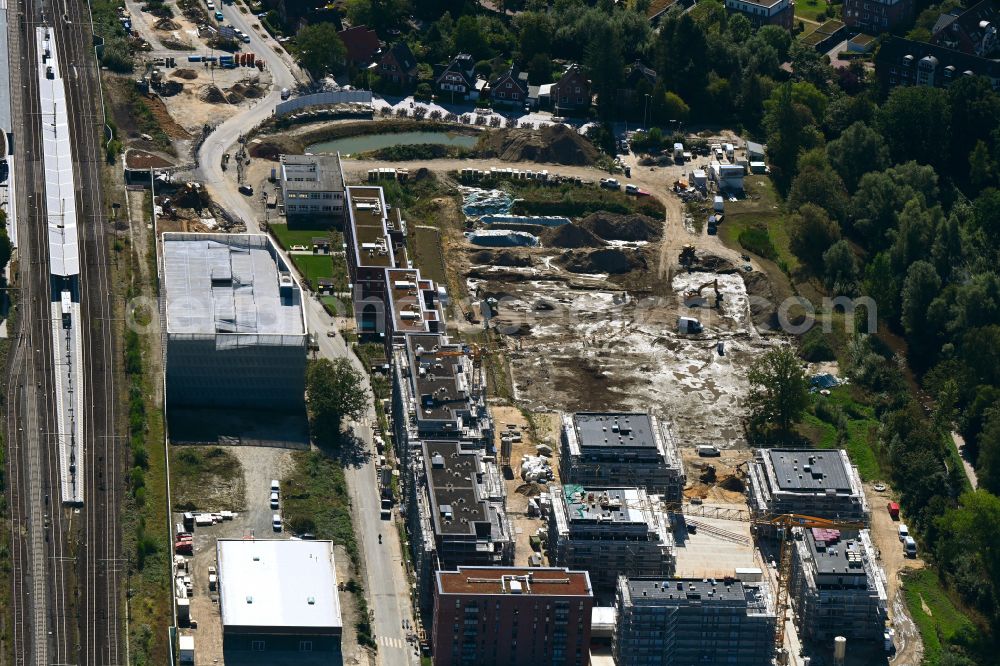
(391, 641)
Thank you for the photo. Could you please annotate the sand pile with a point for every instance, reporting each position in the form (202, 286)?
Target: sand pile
(556, 144)
(570, 236)
(212, 95)
(501, 258)
(613, 261)
(186, 74)
(611, 226)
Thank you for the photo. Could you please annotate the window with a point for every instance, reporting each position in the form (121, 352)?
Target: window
(258, 646)
(305, 646)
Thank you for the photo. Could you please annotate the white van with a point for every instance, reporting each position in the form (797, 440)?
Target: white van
(904, 532)
(910, 547)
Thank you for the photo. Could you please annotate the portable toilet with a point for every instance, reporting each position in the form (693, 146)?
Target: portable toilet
(718, 205)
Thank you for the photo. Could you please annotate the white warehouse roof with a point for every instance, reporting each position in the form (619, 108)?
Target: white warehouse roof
(229, 283)
(278, 586)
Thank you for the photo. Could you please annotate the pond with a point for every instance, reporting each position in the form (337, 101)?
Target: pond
(367, 142)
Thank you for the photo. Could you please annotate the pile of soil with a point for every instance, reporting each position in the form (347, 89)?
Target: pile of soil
(187, 74)
(234, 97)
(611, 226)
(212, 95)
(614, 261)
(266, 151)
(176, 44)
(763, 309)
(570, 236)
(501, 258)
(166, 24)
(170, 88)
(556, 144)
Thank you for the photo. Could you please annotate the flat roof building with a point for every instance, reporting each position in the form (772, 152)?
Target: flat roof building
(456, 513)
(764, 12)
(621, 449)
(278, 596)
(837, 586)
(806, 481)
(690, 622)
(236, 328)
(312, 185)
(609, 532)
(508, 615)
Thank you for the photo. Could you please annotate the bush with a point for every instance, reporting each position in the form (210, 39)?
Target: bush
(757, 240)
(815, 347)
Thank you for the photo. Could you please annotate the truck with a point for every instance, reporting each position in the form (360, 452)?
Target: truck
(610, 184)
(688, 325)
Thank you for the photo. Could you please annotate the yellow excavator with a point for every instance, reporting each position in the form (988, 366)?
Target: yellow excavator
(693, 297)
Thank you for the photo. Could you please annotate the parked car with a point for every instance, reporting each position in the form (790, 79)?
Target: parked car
(275, 486)
(610, 184)
(246, 190)
(709, 451)
(299, 248)
(893, 508)
(276, 522)
(910, 547)
(274, 500)
(246, 39)
(219, 16)
(904, 532)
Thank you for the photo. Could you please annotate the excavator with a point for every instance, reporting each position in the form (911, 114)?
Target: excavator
(693, 297)
(687, 257)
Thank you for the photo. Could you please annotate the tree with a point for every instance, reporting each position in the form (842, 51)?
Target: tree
(857, 151)
(379, 15)
(540, 69)
(320, 48)
(469, 37)
(606, 68)
(779, 393)
(840, 268)
(790, 121)
(982, 167)
(820, 185)
(812, 234)
(920, 287)
(916, 124)
(675, 107)
(335, 391)
(740, 28)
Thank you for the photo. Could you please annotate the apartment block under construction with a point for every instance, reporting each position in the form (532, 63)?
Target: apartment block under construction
(805, 481)
(837, 587)
(609, 532)
(621, 449)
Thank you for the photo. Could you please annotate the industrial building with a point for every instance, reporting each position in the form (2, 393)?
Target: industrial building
(609, 532)
(456, 513)
(621, 449)
(437, 393)
(805, 481)
(279, 596)
(837, 587)
(507, 615)
(312, 185)
(236, 328)
(690, 622)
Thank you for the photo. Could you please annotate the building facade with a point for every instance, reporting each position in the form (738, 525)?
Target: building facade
(312, 185)
(904, 62)
(457, 79)
(507, 615)
(236, 328)
(878, 16)
(837, 587)
(609, 532)
(621, 449)
(571, 93)
(510, 88)
(691, 622)
(457, 514)
(765, 12)
(972, 31)
(806, 481)
(397, 65)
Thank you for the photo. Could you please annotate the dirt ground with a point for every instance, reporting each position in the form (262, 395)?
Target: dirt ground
(885, 536)
(519, 492)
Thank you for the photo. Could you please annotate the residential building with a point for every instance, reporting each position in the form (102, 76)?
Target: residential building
(571, 93)
(837, 587)
(878, 16)
(457, 79)
(972, 31)
(312, 185)
(236, 328)
(397, 65)
(621, 449)
(456, 513)
(508, 615)
(609, 532)
(904, 62)
(691, 622)
(510, 88)
(437, 394)
(361, 44)
(278, 600)
(765, 12)
(821, 483)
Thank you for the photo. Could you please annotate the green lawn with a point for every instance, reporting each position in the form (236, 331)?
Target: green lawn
(316, 266)
(314, 499)
(944, 623)
(206, 479)
(288, 237)
(760, 209)
(810, 9)
(822, 425)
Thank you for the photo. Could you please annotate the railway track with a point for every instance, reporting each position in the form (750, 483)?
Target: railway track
(67, 601)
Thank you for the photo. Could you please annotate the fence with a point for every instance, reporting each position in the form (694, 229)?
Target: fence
(324, 99)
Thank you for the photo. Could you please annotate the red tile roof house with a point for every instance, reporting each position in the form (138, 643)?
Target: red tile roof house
(571, 93)
(457, 80)
(361, 43)
(510, 87)
(397, 65)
